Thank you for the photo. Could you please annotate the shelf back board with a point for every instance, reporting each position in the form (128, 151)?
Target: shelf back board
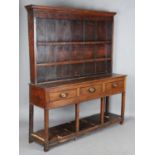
(67, 46)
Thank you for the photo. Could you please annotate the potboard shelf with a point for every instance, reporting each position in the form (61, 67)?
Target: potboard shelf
(67, 131)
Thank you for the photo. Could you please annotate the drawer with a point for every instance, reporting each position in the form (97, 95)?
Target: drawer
(91, 90)
(114, 87)
(64, 94)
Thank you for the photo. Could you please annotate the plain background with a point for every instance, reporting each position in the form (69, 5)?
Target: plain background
(123, 58)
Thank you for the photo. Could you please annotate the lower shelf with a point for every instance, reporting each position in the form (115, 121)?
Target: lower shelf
(65, 132)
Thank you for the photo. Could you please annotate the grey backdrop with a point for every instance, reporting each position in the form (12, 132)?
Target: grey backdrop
(123, 58)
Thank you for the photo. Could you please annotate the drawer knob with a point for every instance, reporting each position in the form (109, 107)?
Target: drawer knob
(63, 95)
(114, 85)
(91, 90)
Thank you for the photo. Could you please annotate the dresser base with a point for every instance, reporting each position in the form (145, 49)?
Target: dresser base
(65, 132)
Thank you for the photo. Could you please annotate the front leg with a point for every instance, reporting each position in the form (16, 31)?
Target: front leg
(122, 108)
(31, 113)
(107, 105)
(46, 127)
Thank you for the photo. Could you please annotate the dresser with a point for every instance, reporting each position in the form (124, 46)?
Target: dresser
(71, 59)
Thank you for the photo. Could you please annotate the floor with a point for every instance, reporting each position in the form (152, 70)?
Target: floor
(113, 140)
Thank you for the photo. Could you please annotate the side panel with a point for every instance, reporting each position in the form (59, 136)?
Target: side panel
(37, 96)
(32, 52)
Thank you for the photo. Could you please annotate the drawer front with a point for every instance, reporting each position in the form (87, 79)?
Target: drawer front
(91, 90)
(114, 87)
(62, 95)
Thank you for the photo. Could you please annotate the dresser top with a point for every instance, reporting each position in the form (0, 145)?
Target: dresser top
(81, 80)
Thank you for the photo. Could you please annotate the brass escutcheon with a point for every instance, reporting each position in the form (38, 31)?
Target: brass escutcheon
(91, 90)
(63, 95)
(114, 85)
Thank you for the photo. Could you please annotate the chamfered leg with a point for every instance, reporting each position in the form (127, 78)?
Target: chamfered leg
(31, 115)
(122, 107)
(77, 110)
(77, 122)
(102, 110)
(46, 128)
(107, 104)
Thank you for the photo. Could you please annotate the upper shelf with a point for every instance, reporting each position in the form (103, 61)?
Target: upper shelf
(73, 62)
(43, 43)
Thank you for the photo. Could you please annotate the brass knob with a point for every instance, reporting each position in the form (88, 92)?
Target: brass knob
(91, 90)
(114, 85)
(63, 95)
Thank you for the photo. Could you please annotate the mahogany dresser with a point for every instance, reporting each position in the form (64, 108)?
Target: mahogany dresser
(71, 62)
